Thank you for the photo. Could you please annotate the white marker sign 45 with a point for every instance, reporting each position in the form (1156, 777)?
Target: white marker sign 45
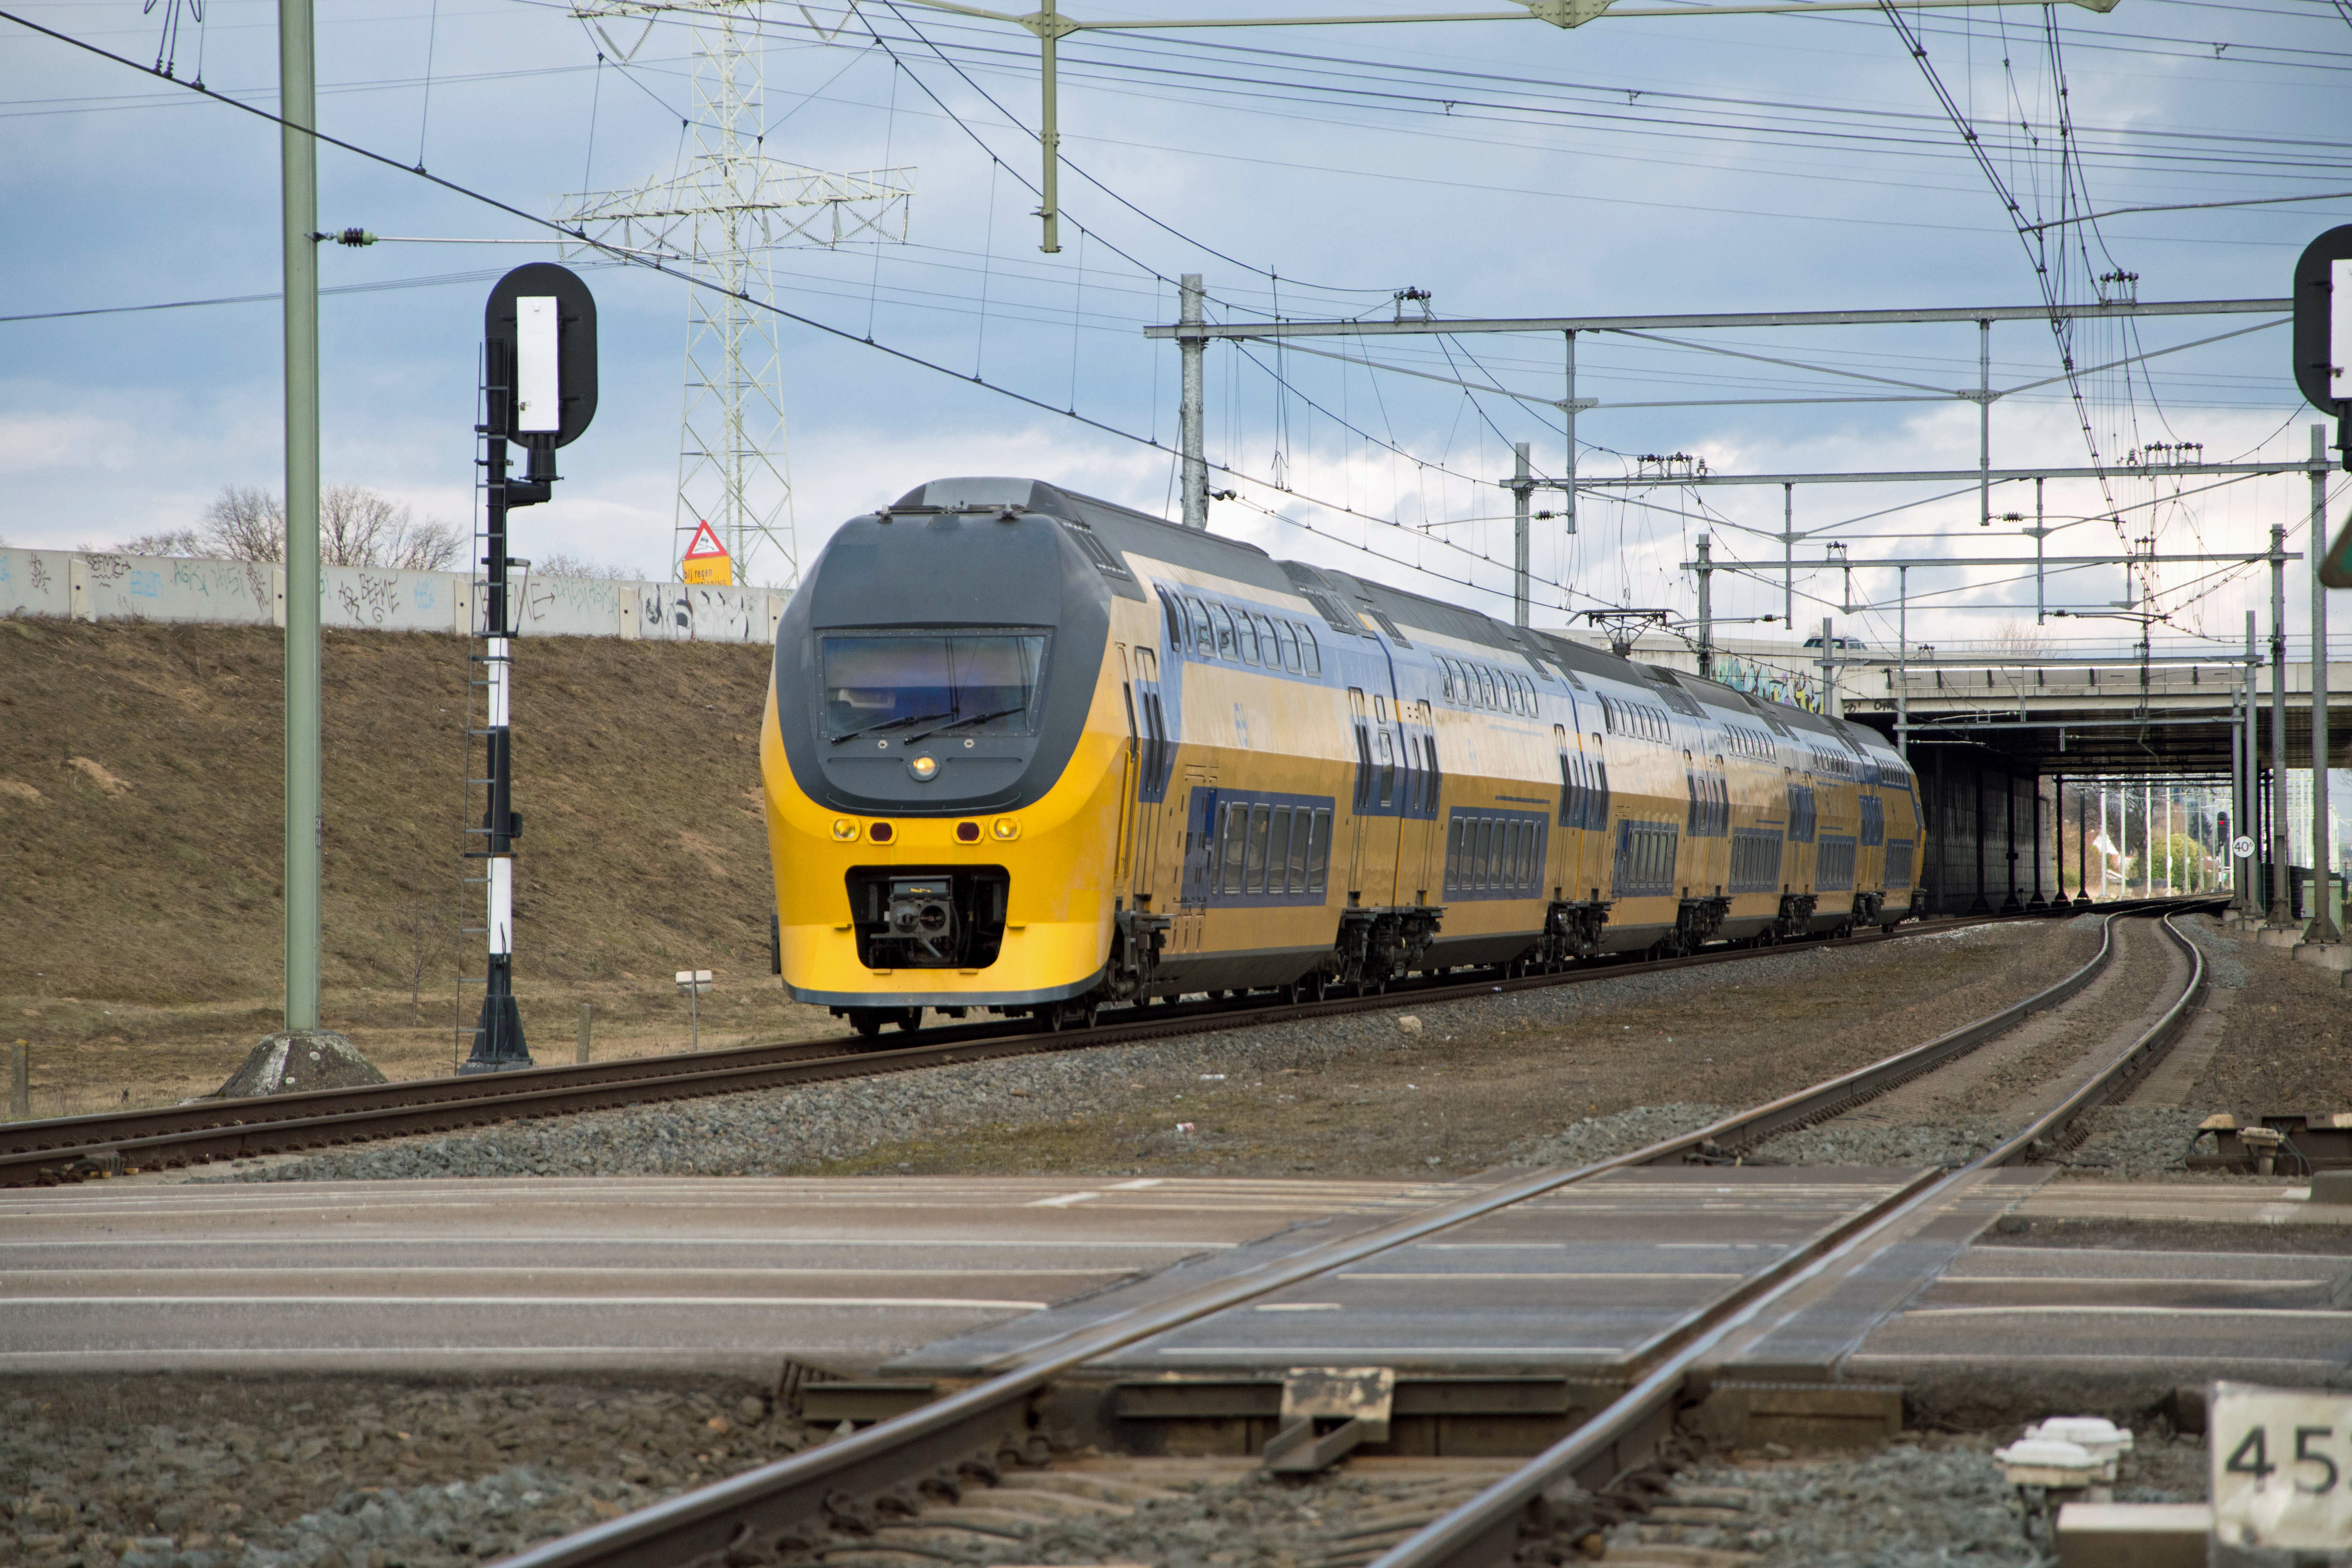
(2281, 1468)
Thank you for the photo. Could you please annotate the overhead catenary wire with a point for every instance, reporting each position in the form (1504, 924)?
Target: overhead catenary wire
(579, 237)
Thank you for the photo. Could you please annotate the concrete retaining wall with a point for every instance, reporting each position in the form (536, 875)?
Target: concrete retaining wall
(69, 584)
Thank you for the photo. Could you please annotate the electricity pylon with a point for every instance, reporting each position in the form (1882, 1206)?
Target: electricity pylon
(721, 213)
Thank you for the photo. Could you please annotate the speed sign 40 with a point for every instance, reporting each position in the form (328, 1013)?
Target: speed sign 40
(2282, 1469)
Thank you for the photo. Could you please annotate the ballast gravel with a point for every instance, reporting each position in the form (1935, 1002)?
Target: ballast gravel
(349, 1473)
(1480, 1080)
(1602, 1138)
(1932, 1500)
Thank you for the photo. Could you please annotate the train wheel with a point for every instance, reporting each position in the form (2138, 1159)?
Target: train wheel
(909, 1020)
(867, 1021)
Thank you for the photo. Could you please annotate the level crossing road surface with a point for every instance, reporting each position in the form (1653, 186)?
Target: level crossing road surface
(627, 1274)
(929, 1277)
(1586, 1281)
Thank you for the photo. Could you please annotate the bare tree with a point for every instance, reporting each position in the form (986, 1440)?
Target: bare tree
(245, 524)
(563, 563)
(428, 936)
(168, 541)
(2017, 637)
(357, 527)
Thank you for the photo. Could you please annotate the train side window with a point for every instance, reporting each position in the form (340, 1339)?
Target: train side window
(1445, 676)
(1277, 850)
(1453, 855)
(1204, 634)
(1596, 804)
(1260, 824)
(1310, 652)
(1294, 874)
(1245, 637)
(1387, 767)
(1436, 773)
(1235, 845)
(1287, 639)
(1175, 620)
(1319, 849)
(1269, 649)
(1228, 645)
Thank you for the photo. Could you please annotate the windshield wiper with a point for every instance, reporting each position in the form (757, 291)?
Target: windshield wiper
(893, 723)
(975, 719)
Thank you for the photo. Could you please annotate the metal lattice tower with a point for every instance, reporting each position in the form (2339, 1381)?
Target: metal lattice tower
(721, 213)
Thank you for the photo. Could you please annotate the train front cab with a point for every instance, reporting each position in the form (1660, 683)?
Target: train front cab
(944, 758)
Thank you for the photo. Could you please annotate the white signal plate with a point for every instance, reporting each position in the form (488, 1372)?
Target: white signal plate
(2281, 1468)
(2339, 329)
(539, 401)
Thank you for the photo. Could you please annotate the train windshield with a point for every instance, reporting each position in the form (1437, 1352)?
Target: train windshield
(979, 683)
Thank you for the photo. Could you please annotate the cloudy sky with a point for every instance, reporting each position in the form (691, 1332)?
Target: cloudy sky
(1639, 165)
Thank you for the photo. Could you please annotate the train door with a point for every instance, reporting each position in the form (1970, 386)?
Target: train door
(1417, 800)
(1131, 794)
(1148, 721)
(1359, 723)
(1192, 878)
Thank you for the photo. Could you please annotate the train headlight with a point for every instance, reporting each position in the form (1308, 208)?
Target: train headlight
(924, 768)
(1006, 829)
(844, 831)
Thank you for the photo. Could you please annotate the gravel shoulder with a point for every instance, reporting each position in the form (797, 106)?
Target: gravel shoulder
(1464, 1086)
(2287, 1044)
(192, 1472)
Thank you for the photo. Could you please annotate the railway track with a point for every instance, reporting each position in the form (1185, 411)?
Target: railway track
(830, 1498)
(46, 1152)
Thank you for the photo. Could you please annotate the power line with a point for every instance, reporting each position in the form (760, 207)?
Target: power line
(580, 237)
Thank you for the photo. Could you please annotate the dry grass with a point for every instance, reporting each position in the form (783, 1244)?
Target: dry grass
(140, 786)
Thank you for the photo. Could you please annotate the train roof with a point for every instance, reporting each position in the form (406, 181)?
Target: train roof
(1341, 596)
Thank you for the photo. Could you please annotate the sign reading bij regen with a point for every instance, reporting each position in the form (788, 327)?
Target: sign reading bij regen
(2323, 361)
(705, 561)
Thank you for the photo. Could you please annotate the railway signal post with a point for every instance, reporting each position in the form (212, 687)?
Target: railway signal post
(539, 362)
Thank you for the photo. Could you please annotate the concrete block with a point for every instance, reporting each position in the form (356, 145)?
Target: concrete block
(665, 613)
(2333, 1188)
(160, 588)
(2279, 936)
(378, 599)
(726, 614)
(35, 583)
(2335, 956)
(2134, 1534)
(576, 607)
(1805, 1415)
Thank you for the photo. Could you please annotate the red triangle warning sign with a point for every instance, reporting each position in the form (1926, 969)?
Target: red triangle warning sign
(705, 543)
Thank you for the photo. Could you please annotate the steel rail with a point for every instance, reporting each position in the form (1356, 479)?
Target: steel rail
(745, 1515)
(1486, 1531)
(211, 1130)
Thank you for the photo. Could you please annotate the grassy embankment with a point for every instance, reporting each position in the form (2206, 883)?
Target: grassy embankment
(140, 787)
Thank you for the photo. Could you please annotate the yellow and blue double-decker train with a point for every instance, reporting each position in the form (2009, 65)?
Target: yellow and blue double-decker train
(1029, 752)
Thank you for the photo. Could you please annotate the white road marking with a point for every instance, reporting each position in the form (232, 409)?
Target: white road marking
(2240, 1312)
(1064, 1201)
(1594, 1274)
(940, 1302)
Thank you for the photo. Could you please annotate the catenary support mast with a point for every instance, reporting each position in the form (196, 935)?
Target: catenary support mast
(298, 154)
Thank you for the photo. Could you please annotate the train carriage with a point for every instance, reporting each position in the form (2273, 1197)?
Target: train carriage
(1027, 751)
